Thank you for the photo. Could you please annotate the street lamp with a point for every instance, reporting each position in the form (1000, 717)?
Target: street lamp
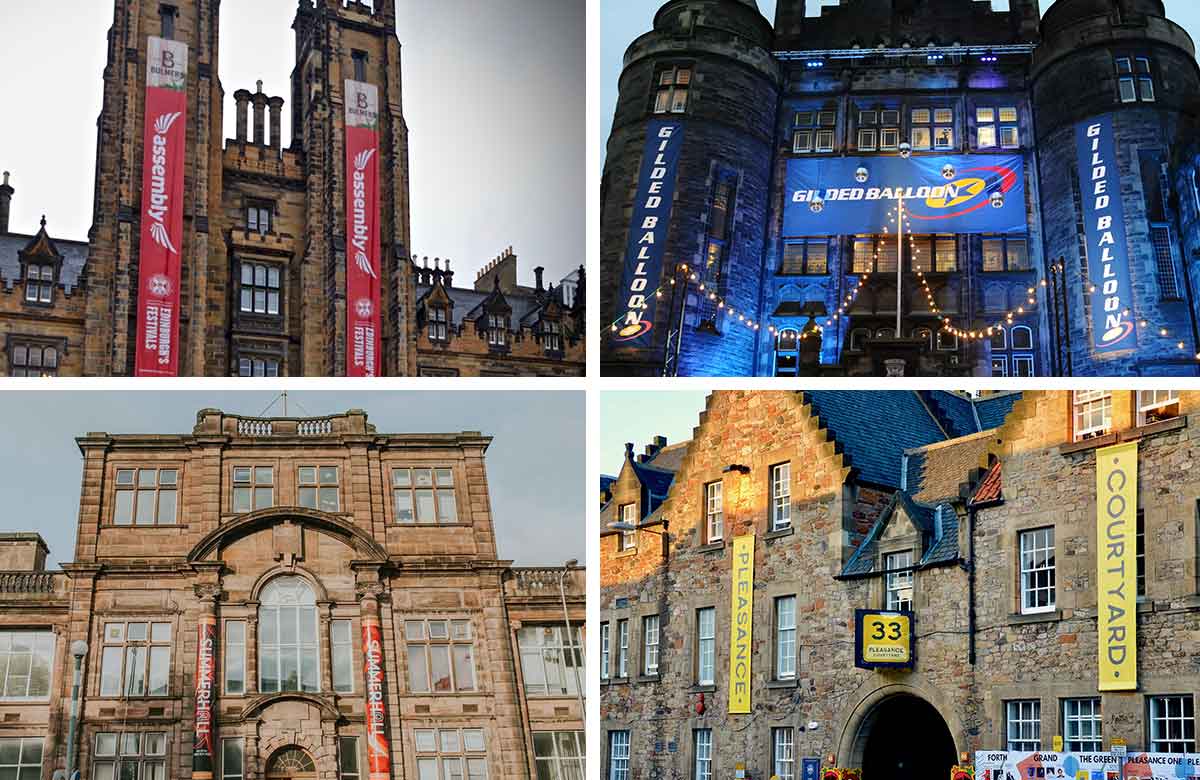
(571, 564)
(621, 525)
(79, 650)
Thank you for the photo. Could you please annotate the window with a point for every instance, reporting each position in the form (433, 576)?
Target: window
(999, 340)
(787, 352)
(947, 341)
(672, 94)
(348, 758)
(318, 487)
(145, 497)
(1082, 725)
(999, 366)
(552, 664)
(1022, 365)
(551, 336)
(254, 366)
(706, 645)
(650, 636)
(618, 755)
(812, 131)
(858, 339)
(166, 15)
(1173, 724)
(253, 488)
(1135, 82)
(932, 128)
(1164, 259)
(360, 64)
(1022, 337)
(235, 657)
(1093, 413)
(497, 330)
(1037, 571)
(341, 643)
(130, 755)
(21, 758)
(878, 130)
(39, 282)
(29, 359)
(260, 288)
(287, 637)
(437, 323)
(805, 256)
(232, 759)
(783, 756)
(997, 126)
(441, 655)
(714, 516)
(1156, 405)
(785, 638)
(1023, 719)
(604, 653)
(781, 496)
(559, 755)
(899, 583)
(702, 744)
(450, 754)
(864, 255)
(258, 220)
(628, 539)
(1005, 254)
(26, 658)
(424, 495)
(622, 648)
(136, 659)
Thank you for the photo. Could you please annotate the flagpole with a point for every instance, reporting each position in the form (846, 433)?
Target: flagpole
(899, 258)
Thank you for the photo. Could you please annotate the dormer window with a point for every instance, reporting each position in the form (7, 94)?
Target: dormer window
(497, 330)
(552, 336)
(39, 282)
(437, 323)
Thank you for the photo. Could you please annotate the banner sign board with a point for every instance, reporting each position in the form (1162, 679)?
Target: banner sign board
(740, 627)
(1001, 765)
(811, 768)
(942, 194)
(1104, 228)
(379, 762)
(362, 230)
(652, 203)
(1116, 564)
(159, 261)
(206, 680)
(883, 639)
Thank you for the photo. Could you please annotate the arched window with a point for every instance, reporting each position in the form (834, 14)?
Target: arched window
(858, 339)
(999, 339)
(290, 762)
(287, 636)
(925, 334)
(947, 340)
(787, 357)
(885, 333)
(1022, 337)
(788, 340)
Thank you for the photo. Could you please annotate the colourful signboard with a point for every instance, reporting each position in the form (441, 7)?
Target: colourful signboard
(648, 234)
(883, 639)
(159, 261)
(1104, 228)
(1049, 765)
(362, 230)
(379, 761)
(741, 624)
(1116, 564)
(206, 680)
(831, 196)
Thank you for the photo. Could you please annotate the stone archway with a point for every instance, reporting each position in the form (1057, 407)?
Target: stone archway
(291, 763)
(901, 736)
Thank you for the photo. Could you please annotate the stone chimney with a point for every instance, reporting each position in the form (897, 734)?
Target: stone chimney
(23, 552)
(6, 193)
(242, 98)
(537, 272)
(276, 104)
(260, 116)
(501, 270)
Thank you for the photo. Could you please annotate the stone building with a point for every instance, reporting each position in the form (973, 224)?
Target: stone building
(263, 261)
(299, 598)
(794, 143)
(975, 517)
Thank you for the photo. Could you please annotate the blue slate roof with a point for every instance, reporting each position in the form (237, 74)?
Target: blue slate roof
(993, 409)
(875, 427)
(605, 482)
(953, 411)
(74, 257)
(939, 534)
(655, 483)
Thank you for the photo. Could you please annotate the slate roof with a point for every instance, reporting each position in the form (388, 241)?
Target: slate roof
(955, 412)
(939, 534)
(74, 257)
(670, 458)
(655, 481)
(605, 482)
(995, 408)
(941, 468)
(523, 300)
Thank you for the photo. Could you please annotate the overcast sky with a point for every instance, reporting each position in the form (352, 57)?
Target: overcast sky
(493, 98)
(535, 465)
(637, 416)
(621, 21)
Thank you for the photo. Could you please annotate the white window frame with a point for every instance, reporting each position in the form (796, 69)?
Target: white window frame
(650, 639)
(714, 510)
(232, 648)
(27, 756)
(452, 638)
(1168, 717)
(702, 750)
(623, 648)
(1022, 365)
(618, 755)
(116, 637)
(783, 752)
(899, 585)
(785, 637)
(341, 647)
(1033, 544)
(130, 746)
(604, 653)
(1152, 400)
(41, 646)
(1086, 406)
(781, 496)
(1023, 725)
(465, 748)
(629, 516)
(706, 646)
(1083, 725)
(238, 772)
(560, 764)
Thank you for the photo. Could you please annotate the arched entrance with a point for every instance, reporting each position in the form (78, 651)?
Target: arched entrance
(904, 737)
(291, 763)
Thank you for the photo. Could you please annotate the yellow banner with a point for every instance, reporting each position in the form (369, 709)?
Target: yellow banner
(740, 625)
(1116, 564)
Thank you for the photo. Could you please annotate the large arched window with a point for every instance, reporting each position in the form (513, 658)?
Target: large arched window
(287, 636)
(1022, 337)
(999, 339)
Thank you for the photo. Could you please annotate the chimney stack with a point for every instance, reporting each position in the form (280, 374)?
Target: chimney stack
(6, 193)
(260, 111)
(276, 104)
(242, 98)
(537, 272)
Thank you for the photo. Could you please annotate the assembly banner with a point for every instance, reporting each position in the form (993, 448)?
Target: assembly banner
(1116, 564)
(159, 262)
(379, 762)
(741, 625)
(362, 230)
(1001, 765)
(1104, 228)
(833, 196)
(206, 680)
(648, 234)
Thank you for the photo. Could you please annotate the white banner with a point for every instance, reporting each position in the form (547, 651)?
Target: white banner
(1001, 765)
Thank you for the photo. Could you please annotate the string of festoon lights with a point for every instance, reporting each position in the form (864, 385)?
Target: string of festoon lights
(688, 276)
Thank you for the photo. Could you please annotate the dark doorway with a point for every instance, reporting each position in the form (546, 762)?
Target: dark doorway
(906, 739)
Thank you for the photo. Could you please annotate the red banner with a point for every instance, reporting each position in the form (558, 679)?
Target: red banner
(206, 681)
(362, 229)
(162, 209)
(379, 762)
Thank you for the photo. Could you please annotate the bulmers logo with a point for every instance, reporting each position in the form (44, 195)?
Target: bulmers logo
(160, 201)
(361, 233)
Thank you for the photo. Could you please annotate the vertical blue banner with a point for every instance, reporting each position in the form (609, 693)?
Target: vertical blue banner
(648, 233)
(811, 768)
(1104, 228)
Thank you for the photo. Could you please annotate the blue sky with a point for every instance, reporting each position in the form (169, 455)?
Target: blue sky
(621, 21)
(536, 463)
(639, 416)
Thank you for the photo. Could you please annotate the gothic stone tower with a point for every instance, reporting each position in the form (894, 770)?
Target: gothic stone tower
(261, 222)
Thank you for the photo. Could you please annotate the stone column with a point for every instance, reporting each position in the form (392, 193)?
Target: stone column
(252, 650)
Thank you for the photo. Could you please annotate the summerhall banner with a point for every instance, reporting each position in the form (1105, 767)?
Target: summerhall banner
(159, 260)
(362, 229)
(741, 626)
(379, 759)
(1116, 563)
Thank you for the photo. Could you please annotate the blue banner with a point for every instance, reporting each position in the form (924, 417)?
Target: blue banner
(648, 233)
(1104, 226)
(811, 768)
(965, 193)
